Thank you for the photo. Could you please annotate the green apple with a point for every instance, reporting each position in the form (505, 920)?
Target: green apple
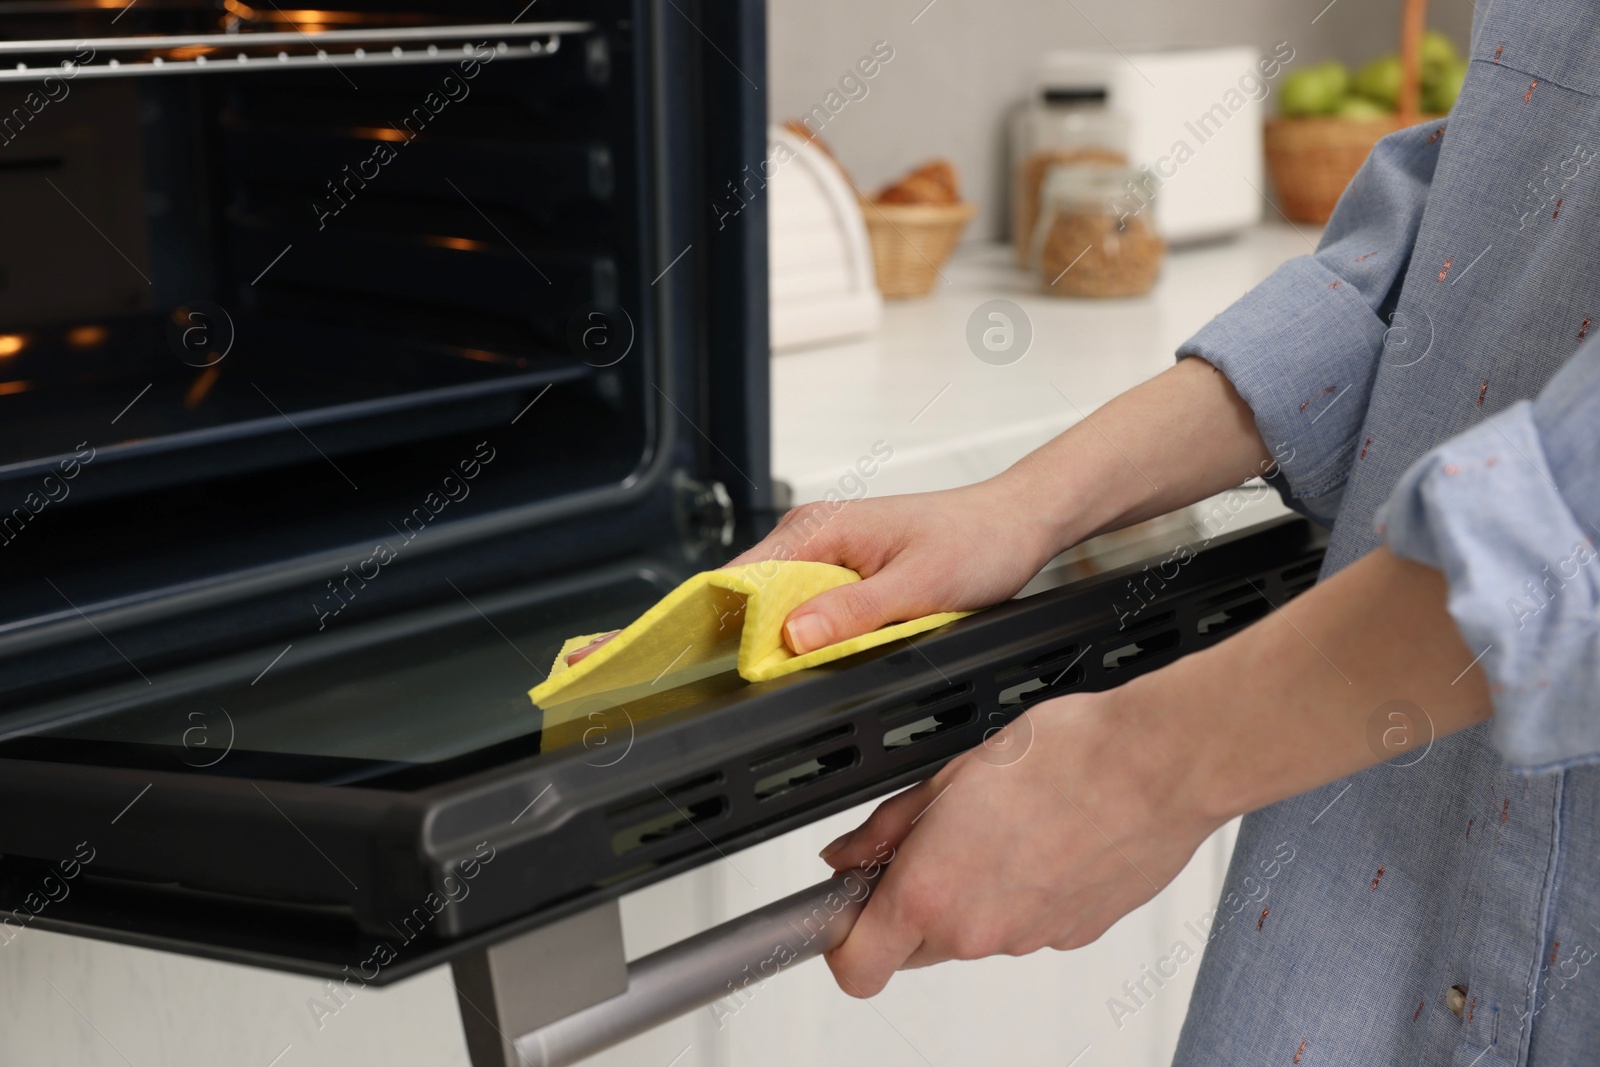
(1317, 90)
(1441, 96)
(1303, 94)
(1360, 109)
(1379, 80)
(1336, 78)
(1439, 55)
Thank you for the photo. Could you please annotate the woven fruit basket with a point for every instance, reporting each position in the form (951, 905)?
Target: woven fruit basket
(1311, 159)
(910, 242)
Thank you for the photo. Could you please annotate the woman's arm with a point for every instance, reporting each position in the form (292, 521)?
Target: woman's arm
(1178, 438)
(1491, 576)
(1278, 383)
(1117, 789)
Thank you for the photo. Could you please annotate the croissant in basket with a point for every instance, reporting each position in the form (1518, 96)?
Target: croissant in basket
(914, 224)
(932, 183)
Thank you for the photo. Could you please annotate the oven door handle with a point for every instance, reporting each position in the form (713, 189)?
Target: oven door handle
(699, 970)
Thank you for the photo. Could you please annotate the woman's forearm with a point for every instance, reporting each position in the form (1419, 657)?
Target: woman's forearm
(1178, 438)
(1363, 667)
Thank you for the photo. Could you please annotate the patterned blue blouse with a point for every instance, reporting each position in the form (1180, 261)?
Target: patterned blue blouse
(1425, 379)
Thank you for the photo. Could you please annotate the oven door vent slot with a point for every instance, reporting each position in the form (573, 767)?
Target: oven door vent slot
(1139, 625)
(1238, 592)
(661, 827)
(767, 760)
(1042, 687)
(915, 708)
(654, 797)
(799, 765)
(808, 772)
(1136, 651)
(1300, 570)
(929, 726)
(1232, 617)
(1033, 667)
(1043, 676)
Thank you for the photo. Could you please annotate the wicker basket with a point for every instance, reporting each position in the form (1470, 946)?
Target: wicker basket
(1311, 160)
(910, 242)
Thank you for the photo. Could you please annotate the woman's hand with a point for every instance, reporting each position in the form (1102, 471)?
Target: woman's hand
(1042, 837)
(919, 554)
(578, 655)
(1175, 439)
(1082, 809)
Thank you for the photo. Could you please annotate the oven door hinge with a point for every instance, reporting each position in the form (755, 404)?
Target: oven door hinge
(705, 512)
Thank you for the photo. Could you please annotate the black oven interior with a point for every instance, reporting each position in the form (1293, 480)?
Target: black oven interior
(276, 283)
(383, 253)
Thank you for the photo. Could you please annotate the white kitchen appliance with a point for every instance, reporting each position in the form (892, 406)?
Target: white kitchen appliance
(820, 275)
(1194, 126)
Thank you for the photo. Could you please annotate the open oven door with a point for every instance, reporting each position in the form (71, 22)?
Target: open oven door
(387, 799)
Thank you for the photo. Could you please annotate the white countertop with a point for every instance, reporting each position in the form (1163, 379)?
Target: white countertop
(951, 418)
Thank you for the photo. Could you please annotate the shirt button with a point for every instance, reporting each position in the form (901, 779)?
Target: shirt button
(1455, 998)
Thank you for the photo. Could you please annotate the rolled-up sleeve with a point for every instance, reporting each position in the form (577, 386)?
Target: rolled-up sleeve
(1302, 347)
(1509, 511)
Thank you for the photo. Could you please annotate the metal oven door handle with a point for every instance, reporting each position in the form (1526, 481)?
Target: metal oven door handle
(704, 968)
(717, 963)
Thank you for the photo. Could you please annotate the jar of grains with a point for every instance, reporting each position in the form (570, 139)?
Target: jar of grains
(1059, 127)
(1095, 236)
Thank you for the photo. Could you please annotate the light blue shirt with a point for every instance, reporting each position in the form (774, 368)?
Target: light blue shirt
(1431, 377)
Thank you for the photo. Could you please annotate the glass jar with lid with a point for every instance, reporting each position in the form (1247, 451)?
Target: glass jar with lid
(1059, 127)
(1095, 236)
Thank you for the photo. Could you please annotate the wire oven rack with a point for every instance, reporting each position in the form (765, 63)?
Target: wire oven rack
(276, 50)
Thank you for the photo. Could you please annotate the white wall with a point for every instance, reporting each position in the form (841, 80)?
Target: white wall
(962, 64)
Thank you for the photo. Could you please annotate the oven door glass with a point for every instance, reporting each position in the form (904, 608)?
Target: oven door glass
(398, 704)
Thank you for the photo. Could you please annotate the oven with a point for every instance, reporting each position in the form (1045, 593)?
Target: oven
(352, 358)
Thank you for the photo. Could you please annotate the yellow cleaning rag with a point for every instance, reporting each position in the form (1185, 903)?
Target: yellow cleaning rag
(714, 622)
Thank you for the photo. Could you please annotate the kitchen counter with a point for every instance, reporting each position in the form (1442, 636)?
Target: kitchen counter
(952, 418)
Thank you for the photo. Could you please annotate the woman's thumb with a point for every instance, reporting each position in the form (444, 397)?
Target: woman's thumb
(843, 612)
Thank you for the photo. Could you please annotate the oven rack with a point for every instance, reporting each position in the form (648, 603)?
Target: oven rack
(278, 50)
(154, 459)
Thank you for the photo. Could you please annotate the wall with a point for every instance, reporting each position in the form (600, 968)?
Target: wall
(959, 66)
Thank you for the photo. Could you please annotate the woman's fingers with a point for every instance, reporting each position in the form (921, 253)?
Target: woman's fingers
(852, 609)
(808, 532)
(887, 934)
(888, 824)
(881, 941)
(578, 654)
